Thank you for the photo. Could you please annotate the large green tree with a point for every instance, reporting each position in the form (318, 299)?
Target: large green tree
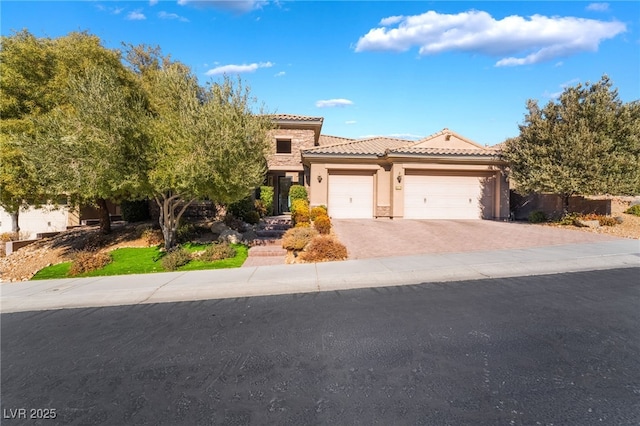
(204, 143)
(37, 87)
(587, 142)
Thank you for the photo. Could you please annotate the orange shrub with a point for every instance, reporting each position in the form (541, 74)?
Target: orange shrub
(297, 238)
(87, 261)
(324, 248)
(322, 224)
(318, 211)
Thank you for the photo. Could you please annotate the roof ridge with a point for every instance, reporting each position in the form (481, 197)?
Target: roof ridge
(448, 131)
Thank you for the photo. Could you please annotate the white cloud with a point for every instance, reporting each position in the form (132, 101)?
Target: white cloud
(330, 103)
(409, 136)
(534, 39)
(238, 69)
(136, 15)
(598, 7)
(556, 95)
(153, 2)
(280, 74)
(237, 6)
(165, 15)
(350, 122)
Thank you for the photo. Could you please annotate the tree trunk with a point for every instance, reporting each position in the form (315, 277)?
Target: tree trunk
(15, 228)
(169, 218)
(105, 218)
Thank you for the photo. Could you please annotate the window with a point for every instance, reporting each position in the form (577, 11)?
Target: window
(283, 146)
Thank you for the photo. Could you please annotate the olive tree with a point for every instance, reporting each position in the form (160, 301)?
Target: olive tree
(204, 143)
(587, 142)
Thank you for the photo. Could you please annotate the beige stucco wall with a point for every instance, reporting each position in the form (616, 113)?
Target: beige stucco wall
(300, 139)
(389, 193)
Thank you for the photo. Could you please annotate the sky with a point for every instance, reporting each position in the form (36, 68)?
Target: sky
(383, 68)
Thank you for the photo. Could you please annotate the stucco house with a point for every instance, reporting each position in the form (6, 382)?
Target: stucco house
(442, 176)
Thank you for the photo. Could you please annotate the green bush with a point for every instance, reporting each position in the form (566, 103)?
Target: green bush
(135, 211)
(252, 217)
(297, 192)
(322, 223)
(175, 259)
(86, 261)
(634, 210)
(318, 211)
(241, 208)
(234, 223)
(298, 238)
(186, 232)
(323, 248)
(218, 251)
(537, 217)
(266, 196)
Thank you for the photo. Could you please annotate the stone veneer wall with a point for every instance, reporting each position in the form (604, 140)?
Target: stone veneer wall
(300, 139)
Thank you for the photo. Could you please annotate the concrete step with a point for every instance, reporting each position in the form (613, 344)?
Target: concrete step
(270, 233)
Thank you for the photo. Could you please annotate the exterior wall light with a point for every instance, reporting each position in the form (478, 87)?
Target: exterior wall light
(399, 177)
(319, 178)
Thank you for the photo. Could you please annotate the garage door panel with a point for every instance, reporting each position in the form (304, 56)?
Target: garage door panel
(445, 197)
(350, 196)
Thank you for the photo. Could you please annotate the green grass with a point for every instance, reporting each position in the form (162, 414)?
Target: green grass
(144, 261)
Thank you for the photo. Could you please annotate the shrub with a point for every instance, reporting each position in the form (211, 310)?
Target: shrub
(175, 259)
(634, 210)
(234, 223)
(322, 224)
(297, 192)
(9, 236)
(303, 225)
(153, 237)
(318, 211)
(603, 220)
(298, 238)
(537, 216)
(186, 232)
(300, 211)
(569, 219)
(86, 261)
(135, 211)
(266, 196)
(324, 248)
(218, 251)
(252, 217)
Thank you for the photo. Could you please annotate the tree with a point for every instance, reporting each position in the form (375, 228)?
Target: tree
(205, 143)
(37, 78)
(95, 143)
(588, 142)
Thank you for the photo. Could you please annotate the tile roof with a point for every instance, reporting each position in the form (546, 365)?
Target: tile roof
(371, 146)
(333, 140)
(411, 150)
(294, 117)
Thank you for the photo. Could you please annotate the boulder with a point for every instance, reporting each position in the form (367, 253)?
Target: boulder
(588, 223)
(218, 228)
(230, 236)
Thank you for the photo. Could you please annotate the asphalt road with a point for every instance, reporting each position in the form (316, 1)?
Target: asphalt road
(557, 349)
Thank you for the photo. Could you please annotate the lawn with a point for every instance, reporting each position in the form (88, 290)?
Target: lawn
(143, 261)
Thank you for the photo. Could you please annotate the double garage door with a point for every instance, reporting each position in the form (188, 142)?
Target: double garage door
(447, 197)
(350, 196)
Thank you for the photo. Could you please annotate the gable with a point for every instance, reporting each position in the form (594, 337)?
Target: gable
(446, 139)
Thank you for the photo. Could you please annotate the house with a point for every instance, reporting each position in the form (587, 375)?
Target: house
(442, 176)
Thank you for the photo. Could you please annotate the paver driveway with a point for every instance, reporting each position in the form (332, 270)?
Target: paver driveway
(369, 238)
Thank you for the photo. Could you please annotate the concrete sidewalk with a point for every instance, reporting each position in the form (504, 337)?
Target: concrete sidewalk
(306, 278)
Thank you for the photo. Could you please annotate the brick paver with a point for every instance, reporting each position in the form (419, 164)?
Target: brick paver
(384, 237)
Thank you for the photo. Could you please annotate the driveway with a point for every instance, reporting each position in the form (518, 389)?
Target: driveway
(370, 238)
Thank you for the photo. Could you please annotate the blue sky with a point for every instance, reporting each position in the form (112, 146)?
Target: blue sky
(405, 69)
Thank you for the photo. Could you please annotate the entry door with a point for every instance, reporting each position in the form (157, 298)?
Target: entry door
(284, 204)
(350, 196)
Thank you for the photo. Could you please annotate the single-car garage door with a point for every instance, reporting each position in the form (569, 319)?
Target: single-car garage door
(350, 196)
(447, 197)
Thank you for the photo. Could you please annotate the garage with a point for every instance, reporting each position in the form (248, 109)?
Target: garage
(350, 196)
(447, 197)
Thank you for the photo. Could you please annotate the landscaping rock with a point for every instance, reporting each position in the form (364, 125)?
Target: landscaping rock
(588, 223)
(230, 236)
(218, 228)
(249, 236)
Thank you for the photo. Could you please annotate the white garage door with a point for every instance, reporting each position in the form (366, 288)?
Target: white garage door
(350, 196)
(446, 197)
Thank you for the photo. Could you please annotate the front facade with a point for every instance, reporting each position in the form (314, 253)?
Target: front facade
(443, 176)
